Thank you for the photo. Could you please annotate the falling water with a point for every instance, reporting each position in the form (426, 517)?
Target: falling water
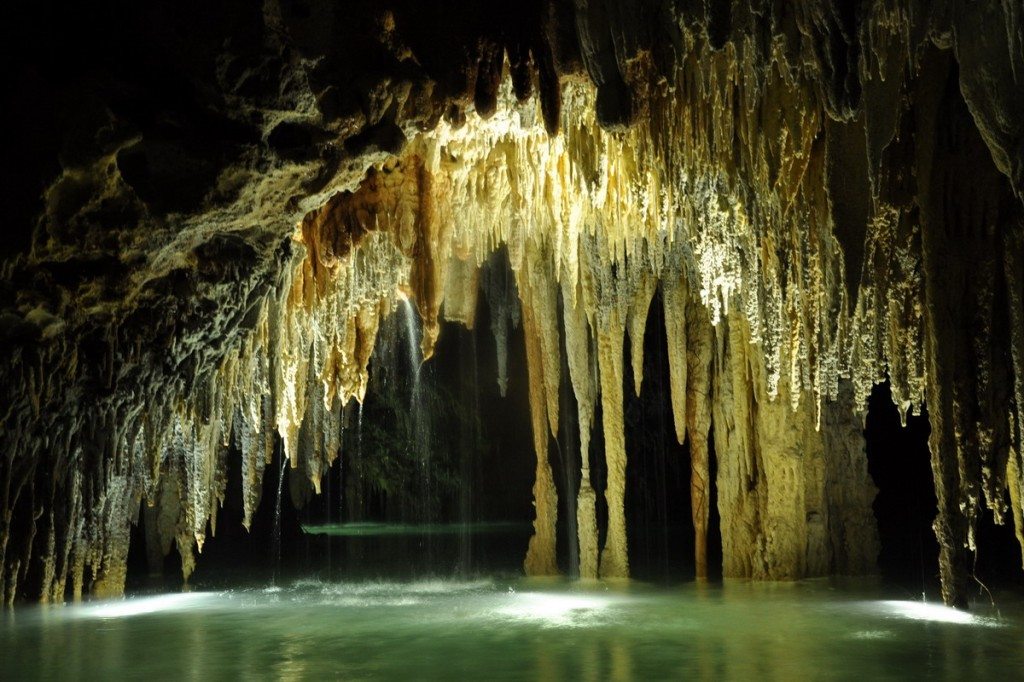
(277, 520)
(415, 360)
(327, 497)
(353, 487)
(469, 445)
(359, 432)
(419, 440)
(341, 469)
(357, 512)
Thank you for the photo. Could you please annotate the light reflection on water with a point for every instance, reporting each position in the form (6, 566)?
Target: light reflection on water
(489, 629)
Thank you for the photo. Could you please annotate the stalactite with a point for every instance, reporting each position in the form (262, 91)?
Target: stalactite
(503, 302)
(538, 290)
(636, 322)
(675, 295)
(969, 439)
(461, 290)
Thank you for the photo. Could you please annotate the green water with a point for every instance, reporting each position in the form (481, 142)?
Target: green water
(371, 529)
(494, 630)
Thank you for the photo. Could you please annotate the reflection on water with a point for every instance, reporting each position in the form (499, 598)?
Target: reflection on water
(489, 629)
(371, 529)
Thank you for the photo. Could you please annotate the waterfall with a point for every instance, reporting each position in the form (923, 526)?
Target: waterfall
(469, 445)
(359, 433)
(277, 520)
(415, 359)
(419, 436)
(327, 506)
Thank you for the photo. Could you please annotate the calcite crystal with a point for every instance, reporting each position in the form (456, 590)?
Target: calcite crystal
(826, 198)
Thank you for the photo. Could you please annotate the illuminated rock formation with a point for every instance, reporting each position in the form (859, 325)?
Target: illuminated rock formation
(825, 198)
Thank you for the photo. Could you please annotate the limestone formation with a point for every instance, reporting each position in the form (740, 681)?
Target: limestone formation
(828, 196)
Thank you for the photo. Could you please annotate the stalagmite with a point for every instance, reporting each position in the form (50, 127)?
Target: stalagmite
(540, 556)
(848, 491)
(614, 560)
(771, 480)
(698, 424)
(578, 351)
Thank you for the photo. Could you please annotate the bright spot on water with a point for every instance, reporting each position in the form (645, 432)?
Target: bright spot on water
(871, 634)
(138, 606)
(918, 610)
(555, 609)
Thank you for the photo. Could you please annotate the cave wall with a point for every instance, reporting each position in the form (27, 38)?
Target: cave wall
(214, 216)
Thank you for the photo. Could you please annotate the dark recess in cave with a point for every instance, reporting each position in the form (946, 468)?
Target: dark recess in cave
(900, 464)
(658, 477)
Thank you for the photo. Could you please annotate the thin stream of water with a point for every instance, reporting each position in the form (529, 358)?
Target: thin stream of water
(277, 518)
(419, 437)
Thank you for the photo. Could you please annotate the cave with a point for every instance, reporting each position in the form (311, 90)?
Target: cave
(600, 339)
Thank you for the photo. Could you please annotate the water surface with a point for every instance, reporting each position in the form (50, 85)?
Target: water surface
(513, 629)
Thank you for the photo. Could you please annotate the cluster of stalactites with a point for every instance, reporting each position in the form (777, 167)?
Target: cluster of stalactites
(723, 184)
(717, 196)
(306, 357)
(755, 223)
(727, 213)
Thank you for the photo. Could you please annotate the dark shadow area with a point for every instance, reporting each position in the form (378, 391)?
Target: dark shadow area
(565, 459)
(714, 519)
(899, 463)
(658, 515)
